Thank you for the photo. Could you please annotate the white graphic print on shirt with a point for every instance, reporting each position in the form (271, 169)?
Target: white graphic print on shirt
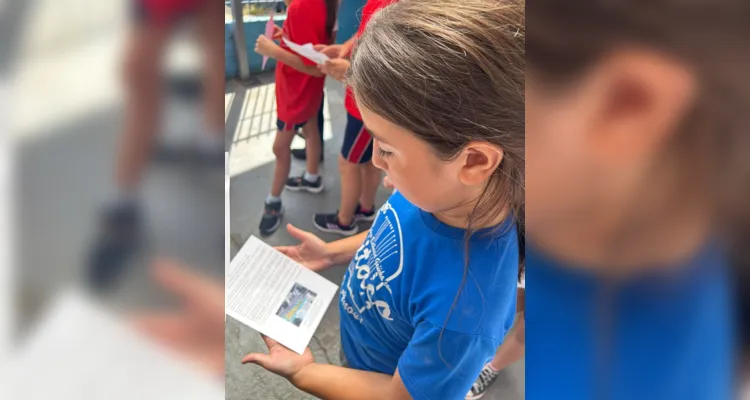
(378, 261)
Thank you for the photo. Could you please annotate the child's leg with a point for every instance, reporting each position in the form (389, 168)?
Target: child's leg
(513, 346)
(351, 188)
(355, 151)
(283, 160)
(371, 179)
(313, 145)
(511, 350)
(143, 83)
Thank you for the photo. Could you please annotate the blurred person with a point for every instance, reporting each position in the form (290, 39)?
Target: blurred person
(154, 23)
(636, 136)
(359, 177)
(430, 292)
(299, 94)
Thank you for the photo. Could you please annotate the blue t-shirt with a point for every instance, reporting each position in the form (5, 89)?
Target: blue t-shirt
(665, 336)
(401, 286)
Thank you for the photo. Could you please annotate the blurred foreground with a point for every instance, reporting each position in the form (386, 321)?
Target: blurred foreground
(65, 119)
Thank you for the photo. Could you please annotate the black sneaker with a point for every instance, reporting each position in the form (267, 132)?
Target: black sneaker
(301, 154)
(360, 215)
(116, 243)
(330, 223)
(300, 183)
(482, 384)
(271, 219)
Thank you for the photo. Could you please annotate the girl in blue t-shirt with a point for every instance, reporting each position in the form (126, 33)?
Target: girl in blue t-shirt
(430, 291)
(635, 123)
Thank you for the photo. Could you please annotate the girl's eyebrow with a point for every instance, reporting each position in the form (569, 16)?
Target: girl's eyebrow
(376, 136)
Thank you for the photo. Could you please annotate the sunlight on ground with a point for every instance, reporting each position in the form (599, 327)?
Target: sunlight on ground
(256, 128)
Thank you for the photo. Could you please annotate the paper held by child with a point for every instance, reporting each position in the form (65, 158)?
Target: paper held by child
(307, 51)
(276, 296)
(79, 350)
(270, 27)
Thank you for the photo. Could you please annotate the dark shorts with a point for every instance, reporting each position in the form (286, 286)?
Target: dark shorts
(357, 146)
(283, 126)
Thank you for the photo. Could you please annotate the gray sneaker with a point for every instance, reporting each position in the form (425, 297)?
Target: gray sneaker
(482, 384)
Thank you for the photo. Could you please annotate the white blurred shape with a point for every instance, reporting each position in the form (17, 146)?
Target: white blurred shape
(80, 351)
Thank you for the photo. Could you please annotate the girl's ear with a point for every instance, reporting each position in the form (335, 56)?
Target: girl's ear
(479, 160)
(641, 98)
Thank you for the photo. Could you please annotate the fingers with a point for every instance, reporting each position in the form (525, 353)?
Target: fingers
(297, 233)
(161, 327)
(269, 342)
(257, 358)
(192, 288)
(285, 250)
(320, 47)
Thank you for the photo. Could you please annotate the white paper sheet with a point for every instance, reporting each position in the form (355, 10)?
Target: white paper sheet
(307, 51)
(274, 295)
(80, 351)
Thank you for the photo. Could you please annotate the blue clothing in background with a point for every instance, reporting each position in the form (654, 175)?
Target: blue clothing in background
(401, 286)
(667, 336)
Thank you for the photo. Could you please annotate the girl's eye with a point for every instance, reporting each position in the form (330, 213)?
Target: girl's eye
(384, 153)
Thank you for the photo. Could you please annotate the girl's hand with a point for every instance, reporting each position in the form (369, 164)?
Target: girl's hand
(278, 33)
(333, 51)
(280, 360)
(311, 252)
(335, 68)
(265, 46)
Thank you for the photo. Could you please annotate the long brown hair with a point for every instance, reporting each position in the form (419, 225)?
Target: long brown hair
(452, 72)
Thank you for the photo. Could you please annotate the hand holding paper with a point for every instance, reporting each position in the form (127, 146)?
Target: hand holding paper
(307, 51)
(280, 360)
(270, 30)
(274, 295)
(335, 68)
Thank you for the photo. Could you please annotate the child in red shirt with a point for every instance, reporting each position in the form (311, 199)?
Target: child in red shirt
(299, 93)
(359, 178)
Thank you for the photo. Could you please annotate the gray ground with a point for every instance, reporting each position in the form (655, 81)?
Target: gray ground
(250, 122)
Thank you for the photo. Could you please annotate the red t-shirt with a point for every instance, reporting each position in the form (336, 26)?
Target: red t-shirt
(367, 12)
(165, 11)
(298, 95)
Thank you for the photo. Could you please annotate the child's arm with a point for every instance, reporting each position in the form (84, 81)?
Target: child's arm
(343, 250)
(325, 381)
(266, 47)
(330, 382)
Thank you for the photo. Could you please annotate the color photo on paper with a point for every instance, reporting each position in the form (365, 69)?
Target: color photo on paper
(297, 304)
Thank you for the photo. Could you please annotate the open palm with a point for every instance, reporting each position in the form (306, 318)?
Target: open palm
(280, 360)
(310, 252)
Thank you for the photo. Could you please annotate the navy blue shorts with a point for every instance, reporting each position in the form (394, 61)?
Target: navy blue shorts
(283, 126)
(357, 146)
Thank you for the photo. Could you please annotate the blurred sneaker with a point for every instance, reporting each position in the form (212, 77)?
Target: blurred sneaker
(362, 215)
(299, 183)
(486, 378)
(330, 223)
(116, 243)
(271, 219)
